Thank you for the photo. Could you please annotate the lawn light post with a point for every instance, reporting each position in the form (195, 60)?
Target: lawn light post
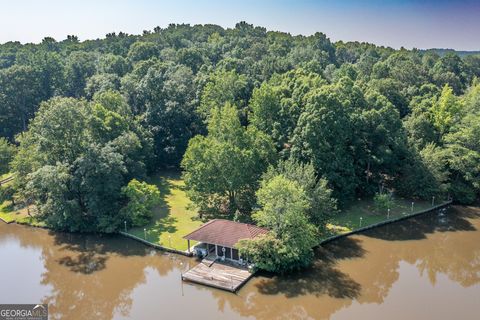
(145, 232)
(388, 213)
(433, 201)
(412, 206)
(125, 223)
(361, 221)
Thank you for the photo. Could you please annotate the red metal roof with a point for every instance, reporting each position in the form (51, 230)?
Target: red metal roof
(225, 232)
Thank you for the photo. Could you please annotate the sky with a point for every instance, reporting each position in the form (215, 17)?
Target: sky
(412, 24)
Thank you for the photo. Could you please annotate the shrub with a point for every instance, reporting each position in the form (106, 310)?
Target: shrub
(142, 197)
(383, 201)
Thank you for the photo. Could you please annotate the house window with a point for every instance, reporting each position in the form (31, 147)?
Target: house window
(219, 251)
(228, 253)
(234, 254)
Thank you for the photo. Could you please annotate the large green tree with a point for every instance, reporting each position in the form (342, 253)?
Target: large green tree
(74, 160)
(223, 168)
(163, 96)
(324, 137)
(322, 206)
(289, 244)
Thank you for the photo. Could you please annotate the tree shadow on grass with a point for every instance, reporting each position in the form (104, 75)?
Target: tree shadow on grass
(165, 225)
(419, 227)
(165, 187)
(322, 278)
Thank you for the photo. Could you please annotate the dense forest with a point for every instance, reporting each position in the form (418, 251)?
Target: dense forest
(259, 121)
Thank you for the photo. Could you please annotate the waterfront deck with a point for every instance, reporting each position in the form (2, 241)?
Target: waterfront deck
(220, 275)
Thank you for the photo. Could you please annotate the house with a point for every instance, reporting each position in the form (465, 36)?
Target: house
(218, 238)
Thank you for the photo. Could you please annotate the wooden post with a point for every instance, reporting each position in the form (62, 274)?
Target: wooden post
(188, 241)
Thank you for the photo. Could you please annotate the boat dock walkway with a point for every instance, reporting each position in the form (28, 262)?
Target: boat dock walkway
(218, 274)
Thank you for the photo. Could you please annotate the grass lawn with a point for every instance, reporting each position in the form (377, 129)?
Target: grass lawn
(5, 176)
(9, 214)
(349, 219)
(6, 212)
(171, 219)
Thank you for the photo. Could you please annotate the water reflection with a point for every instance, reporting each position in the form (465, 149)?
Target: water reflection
(90, 276)
(93, 277)
(323, 278)
(362, 270)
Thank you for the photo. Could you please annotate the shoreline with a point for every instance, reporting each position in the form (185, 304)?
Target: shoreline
(385, 222)
(322, 242)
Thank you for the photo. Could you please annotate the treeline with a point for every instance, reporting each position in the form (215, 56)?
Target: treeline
(236, 109)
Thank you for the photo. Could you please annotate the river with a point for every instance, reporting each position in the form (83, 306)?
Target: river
(422, 268)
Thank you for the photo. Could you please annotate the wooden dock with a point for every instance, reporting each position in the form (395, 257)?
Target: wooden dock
(220, 275)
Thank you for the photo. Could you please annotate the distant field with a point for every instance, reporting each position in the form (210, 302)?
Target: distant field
(172, 220)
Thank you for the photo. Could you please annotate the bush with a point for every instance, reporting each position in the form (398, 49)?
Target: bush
(276, 255)
(142, 198)
(6, 193)
(383, 201)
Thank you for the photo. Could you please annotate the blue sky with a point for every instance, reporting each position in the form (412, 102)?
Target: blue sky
(420, 24)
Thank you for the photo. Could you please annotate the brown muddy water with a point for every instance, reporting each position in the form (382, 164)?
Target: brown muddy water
(422, 268)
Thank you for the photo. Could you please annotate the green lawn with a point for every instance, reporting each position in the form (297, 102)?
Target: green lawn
(5, 176)
(171, 219)
(349, 219)
(9, 214)
(6, 212)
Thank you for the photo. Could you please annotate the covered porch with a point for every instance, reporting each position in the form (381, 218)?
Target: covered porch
(222, 265)
(220, 252)
(218, 237)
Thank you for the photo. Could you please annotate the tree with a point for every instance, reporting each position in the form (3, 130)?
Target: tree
(142, 51)
(380, 144)
(7, 152)
(74, 160)
(142, 197)
(277, 104)
(324, 136)
(289, 243)
(114, 64)
(414, 178)
(163, 95)
(20, 93)
(79, 66)
(101, 83)
(446, 111)
(223, 168)
(322, 206)
(463, 158)
(7, 193)
(224, 87)
(450, 70)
